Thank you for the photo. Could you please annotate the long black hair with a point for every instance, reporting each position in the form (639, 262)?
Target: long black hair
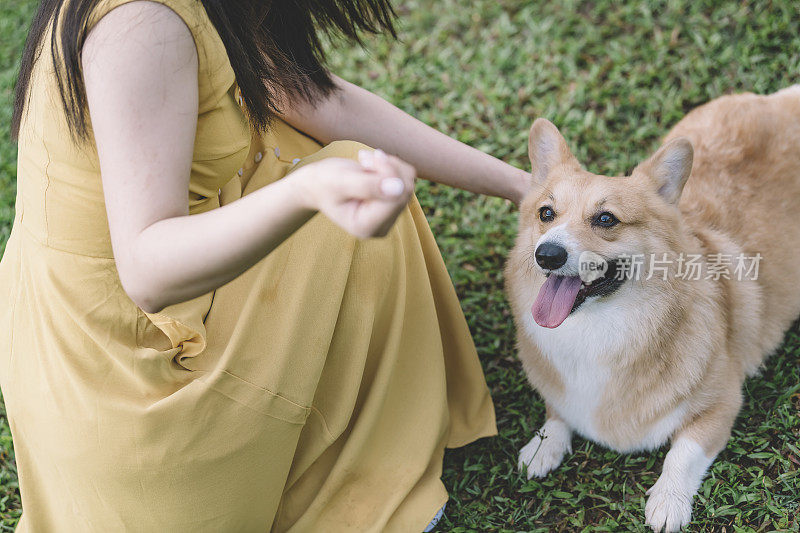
(271, 45)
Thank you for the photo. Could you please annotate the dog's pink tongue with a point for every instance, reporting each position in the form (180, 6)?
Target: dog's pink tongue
(555, 300)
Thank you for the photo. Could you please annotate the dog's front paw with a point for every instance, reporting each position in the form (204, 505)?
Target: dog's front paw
(669, 508)
(546, 449)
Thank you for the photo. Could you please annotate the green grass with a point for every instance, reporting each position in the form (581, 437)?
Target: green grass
(614, 77)
(15, 15)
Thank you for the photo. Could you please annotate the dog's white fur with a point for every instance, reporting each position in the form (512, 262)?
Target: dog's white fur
(670, 502)
(546, 449)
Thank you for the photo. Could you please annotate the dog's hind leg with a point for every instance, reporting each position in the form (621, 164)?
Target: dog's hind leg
(546, 449)
(694, 447)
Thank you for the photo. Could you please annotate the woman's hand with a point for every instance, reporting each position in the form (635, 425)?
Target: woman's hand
(519, 183)
(364, 198)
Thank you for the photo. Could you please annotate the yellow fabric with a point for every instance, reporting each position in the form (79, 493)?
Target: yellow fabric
(315, 392)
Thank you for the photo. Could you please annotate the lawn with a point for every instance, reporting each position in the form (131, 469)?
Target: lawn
(614, 76)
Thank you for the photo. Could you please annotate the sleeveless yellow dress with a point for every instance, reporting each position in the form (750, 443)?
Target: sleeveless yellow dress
(316, 392)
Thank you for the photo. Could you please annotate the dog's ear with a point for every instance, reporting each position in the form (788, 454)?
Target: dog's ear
(547, 149)
(670, 167)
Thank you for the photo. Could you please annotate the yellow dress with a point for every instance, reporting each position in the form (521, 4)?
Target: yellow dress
(316, 392)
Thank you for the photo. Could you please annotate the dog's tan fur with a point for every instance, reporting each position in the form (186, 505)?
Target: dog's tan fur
(694, 342)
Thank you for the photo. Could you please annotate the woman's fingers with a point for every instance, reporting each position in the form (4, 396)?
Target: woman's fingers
(365, 197)
(382, 163)
(340, 179)
(364, 185)
(376, 218)
(403, 170)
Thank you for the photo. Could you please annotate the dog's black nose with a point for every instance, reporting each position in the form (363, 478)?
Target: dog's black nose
(551, 256)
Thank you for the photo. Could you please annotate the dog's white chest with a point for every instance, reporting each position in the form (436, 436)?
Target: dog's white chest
(575, 349)
(585, 385)
(578, 349)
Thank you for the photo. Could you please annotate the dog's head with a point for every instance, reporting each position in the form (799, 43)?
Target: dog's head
(582, 233)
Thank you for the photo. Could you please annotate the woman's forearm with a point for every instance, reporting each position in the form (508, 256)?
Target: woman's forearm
(356, 114)
(179, 258)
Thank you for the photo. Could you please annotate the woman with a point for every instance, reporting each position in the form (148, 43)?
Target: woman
(247, 360)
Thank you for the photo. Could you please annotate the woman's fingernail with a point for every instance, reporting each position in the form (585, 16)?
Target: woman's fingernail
(366, 158)
(392, 186)
(380, 155)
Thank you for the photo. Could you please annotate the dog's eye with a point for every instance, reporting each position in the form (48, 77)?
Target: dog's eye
(546, 214)
(605, 219)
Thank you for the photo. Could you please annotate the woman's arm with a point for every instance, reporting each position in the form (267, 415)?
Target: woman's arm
(356, 114)
(140, 73)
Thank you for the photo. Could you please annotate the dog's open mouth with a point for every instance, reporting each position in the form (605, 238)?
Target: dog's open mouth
(561, 295)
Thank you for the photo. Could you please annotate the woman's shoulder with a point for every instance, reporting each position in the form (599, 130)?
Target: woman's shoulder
(190, 11)
(215, 74)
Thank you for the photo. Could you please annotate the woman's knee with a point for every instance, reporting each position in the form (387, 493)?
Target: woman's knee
(347, 149)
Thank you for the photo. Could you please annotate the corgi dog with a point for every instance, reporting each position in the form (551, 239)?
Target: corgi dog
(632, 354)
